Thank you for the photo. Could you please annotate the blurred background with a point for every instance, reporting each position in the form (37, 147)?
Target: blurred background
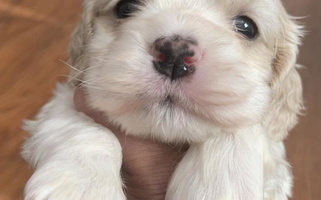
(33, 43)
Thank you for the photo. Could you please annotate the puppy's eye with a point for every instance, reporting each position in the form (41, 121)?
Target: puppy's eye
(245, 26)
(125, 8)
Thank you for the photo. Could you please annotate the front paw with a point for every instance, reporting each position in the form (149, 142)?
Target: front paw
(60, 183)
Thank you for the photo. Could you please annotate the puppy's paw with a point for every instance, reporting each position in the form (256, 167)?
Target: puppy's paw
(279, 186)
(53, 183)
(278, 175)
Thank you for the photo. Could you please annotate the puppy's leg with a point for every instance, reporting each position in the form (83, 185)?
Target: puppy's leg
(278, 176)
(228, 166)
(74, 157)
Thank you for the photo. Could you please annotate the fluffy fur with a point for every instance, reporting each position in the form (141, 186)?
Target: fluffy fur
(234, 110)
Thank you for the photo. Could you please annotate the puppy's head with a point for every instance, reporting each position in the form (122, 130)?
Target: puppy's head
(176, 70)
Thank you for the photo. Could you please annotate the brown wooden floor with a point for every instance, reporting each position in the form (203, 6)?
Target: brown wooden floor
(34, 36)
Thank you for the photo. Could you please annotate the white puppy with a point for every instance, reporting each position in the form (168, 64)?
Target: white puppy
(218, 74)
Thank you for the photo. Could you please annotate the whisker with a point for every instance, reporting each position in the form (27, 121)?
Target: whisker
(83, 83)
(71, 78)
(74, 68)
(91, 87)
(91, 81)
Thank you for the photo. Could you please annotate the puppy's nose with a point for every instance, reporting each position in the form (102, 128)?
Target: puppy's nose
(175, 57)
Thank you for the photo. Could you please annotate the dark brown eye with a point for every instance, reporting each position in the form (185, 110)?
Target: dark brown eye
(125, 8)
(245, 26)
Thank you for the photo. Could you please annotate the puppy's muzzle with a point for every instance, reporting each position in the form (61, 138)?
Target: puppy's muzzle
(175, 57)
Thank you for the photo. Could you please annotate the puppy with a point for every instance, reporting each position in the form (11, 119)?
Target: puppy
(217, 74)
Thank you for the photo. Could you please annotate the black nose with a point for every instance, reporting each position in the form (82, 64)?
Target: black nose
(175, 56)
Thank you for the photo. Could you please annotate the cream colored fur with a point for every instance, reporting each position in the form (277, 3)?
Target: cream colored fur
(234, 111)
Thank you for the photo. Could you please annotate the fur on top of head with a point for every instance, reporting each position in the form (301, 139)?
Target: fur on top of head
(244, 74)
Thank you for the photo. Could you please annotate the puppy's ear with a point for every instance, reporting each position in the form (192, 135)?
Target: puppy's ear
(78, 45)
(286, 102)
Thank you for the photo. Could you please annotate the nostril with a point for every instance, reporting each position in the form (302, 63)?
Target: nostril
(195, 56)
(162, 57)
(190, 60)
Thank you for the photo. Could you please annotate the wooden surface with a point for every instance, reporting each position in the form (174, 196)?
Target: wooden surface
(33, 38)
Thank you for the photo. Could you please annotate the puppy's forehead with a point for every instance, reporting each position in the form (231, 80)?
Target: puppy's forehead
(227, 5)
(266, 13)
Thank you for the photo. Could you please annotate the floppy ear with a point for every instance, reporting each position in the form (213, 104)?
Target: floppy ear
(286, 102)
(78, 45)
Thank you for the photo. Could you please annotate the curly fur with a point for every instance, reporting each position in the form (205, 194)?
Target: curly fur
(234, 111)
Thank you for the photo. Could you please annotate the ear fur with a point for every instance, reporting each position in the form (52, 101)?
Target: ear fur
(78, 45)
(286, 85)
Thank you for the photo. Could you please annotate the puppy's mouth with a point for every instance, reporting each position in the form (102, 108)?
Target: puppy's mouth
(168, 101)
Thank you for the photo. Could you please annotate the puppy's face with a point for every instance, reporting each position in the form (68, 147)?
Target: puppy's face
(175, 69)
